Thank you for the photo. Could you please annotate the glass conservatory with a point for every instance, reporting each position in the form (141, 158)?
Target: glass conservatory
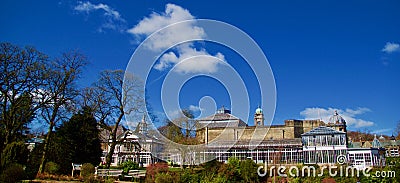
(323, 144)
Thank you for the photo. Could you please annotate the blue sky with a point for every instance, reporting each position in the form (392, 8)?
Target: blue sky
(325, 55)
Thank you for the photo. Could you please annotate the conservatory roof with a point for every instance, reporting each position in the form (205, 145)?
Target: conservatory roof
(322, 130)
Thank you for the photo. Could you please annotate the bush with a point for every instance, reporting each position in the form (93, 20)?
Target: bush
(188, 175)
(14, 153)
(163, 178)
(220, 179)
(248, 171)
(154, 169)
(46, 176)
(51, 167)
(91, 179)
(87, 170)
(228, 171)
(13, 173)
(233, 161)
(129, 165)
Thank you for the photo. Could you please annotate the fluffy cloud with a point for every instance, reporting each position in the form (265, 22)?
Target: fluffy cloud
(391, 47)
(350, 115)
(190, 60)
(198, 60)
(195, 108)
(156, 21)
(112, 18)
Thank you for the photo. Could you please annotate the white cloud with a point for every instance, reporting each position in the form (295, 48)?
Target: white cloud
(391, 47)
(178, 113)
(350, 115)
(113, 19)
(194, 61)
(166, 38)
(195, 108)
(360, 110)
(155, 21)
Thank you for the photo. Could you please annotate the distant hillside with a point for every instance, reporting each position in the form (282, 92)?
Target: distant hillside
(364, 136)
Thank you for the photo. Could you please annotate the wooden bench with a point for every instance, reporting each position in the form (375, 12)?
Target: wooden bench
(108, 173)
(136, 173)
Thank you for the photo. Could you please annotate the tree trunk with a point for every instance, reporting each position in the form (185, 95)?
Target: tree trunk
(113, 140)
(46, 148)
(183, 156)
(112, 147)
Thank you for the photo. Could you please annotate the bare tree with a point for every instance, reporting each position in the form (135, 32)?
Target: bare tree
(20, 76)
(60, 91)
(181, 130)
(112, 98)
(30, 85)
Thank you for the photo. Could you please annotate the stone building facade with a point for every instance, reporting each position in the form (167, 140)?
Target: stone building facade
(224, 126)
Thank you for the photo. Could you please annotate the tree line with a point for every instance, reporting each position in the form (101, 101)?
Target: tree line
(37, 89)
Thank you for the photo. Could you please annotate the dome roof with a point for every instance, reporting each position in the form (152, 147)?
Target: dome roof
(336, 119)
(259, 110)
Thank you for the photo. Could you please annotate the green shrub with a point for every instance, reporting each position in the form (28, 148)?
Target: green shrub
(188, 175)
(129, 165)
(220, 179)
(87, 170)
(91, 179)
(233, 161)
(248, 171)
(15, 152)
(51, 167)
(13, 173)
(163, 178)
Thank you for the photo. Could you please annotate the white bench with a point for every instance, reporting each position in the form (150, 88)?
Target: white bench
(136, 173)
(108, 172)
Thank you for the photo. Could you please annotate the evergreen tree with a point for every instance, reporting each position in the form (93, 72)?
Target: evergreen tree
(77, 141)
(15, 150)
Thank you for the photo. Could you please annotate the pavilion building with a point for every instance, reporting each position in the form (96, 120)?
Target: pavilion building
(297, 141)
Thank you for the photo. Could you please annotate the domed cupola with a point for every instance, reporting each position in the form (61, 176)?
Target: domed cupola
(336, 121)
(259, 117)
(259, 110)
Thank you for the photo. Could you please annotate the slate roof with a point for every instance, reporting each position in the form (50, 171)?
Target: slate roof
(390, 143)
(221, 120)
(368, 144)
